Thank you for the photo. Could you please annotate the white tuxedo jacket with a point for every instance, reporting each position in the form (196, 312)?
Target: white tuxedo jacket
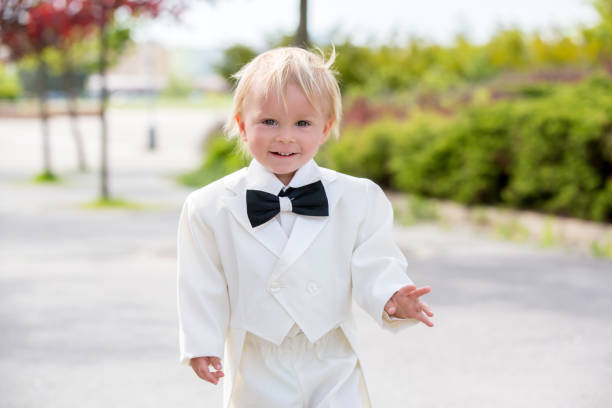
(233, 278)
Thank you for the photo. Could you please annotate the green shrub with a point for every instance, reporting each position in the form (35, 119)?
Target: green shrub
(563, 155)
(234, 58)
(10, 87)
(465, 159)
(551, 152)
(364, 151)
(222, 157)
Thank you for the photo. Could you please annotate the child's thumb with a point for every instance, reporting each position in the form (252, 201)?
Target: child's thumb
(216, 363)
(390, 308)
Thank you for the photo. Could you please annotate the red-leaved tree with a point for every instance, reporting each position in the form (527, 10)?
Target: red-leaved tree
(29, 27)
(26, 29)
(102, 13)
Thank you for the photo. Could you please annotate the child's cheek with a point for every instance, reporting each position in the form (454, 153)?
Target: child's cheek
(261, 140)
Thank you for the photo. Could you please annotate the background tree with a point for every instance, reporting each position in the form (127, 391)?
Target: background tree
(75, 27)
(102, 15)
(25, 30)
(301, 36)
(68, 22)
(233, 59)
(79, 57)
(603, 32)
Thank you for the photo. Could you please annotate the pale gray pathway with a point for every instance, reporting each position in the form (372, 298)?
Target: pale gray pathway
(88, 301)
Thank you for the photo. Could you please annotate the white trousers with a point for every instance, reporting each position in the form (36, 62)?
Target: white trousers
(298, 373)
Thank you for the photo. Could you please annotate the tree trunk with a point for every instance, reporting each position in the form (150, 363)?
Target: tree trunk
(301, 36)
(43, 79)
(71, 93)
(104, 193)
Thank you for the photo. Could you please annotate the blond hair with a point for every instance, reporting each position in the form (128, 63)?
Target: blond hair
(273, 69)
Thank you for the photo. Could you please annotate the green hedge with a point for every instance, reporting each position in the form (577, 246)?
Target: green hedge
(222, 157)
(434, 160)
(551, 154)
(563, 163)
(364, 153)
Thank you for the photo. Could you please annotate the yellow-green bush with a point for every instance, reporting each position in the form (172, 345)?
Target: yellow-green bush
(563, 158)
(552, 153)
(465, 159)
(222, 157)
(364, 151)
(10, 87)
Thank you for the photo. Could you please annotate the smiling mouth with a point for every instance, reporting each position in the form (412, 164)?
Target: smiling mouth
(279, 154)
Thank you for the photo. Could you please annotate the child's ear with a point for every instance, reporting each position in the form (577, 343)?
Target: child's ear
(241, 126)
(326, 130)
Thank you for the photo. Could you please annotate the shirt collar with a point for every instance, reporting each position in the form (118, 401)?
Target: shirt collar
(260, 178)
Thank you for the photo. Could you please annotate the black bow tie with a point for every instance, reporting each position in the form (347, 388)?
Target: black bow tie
(306, 200)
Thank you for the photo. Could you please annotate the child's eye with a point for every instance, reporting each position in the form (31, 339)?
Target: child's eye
(302, 123)
(269, 122)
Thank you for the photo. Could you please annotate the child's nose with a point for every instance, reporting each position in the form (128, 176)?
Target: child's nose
(285, 136)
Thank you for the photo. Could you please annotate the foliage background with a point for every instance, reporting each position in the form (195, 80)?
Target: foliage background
(522, 121)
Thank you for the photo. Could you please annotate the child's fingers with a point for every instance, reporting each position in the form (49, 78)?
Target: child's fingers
(405, 290)
(420, 291)
(426, 309)
(200, 367)
(210, 376)
(201, 371)
(216, 362)
(421, 317)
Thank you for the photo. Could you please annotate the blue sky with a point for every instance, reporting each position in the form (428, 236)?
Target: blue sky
(253, 22)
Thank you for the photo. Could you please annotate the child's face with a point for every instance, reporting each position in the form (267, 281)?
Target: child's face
(269, 129)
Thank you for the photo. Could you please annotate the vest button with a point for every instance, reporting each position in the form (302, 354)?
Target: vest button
(312, 287)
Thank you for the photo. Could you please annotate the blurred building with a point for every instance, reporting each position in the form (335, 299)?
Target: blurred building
(147, 68)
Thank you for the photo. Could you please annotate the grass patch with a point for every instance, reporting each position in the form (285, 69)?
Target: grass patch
(480, 217)
(114, 203)
(512, 231)
(548, 239)
(46, 177)
(602, 249)
(417, 209)
(213, 100)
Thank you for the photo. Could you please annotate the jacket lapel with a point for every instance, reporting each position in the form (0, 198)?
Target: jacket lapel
(271, 234)
(306, 228)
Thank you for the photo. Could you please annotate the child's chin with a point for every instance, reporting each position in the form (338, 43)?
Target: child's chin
(284, 169)
(286, 164)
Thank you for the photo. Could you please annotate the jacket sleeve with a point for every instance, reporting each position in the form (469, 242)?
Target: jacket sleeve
(378, 266)
(203, 301)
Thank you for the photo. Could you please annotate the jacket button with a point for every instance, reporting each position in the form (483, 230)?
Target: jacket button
(275, 287)
(312, 288)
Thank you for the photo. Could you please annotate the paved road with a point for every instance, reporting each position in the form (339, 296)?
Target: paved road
(87, 298)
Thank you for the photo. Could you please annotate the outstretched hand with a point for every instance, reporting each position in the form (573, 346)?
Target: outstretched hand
(405, 304)
(200, 366)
